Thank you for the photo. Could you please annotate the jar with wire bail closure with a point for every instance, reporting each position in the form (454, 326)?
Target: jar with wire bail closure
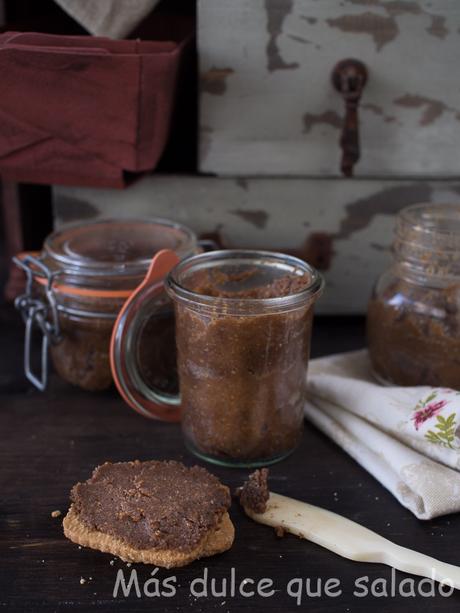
(76, 287)
(243, 328)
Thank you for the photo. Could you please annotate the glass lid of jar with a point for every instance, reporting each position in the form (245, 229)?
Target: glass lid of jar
(115, 246)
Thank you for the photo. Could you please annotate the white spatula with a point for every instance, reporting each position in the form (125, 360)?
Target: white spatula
(350, 540)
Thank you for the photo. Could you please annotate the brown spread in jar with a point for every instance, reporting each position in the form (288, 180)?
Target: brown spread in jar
(414, 334)
(243, 377)
(414, 313)
(162, 505)
(82, 279)
(81, 356)
(219, 284)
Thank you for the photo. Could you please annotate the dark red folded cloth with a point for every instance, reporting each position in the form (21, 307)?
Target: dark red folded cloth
(82, 110)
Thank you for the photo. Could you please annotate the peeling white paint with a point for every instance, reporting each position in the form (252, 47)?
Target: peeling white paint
(257, 126)
(358, 215)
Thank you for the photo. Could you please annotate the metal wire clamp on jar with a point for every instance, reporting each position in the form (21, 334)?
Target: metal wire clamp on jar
(76, 287)
(413, 322)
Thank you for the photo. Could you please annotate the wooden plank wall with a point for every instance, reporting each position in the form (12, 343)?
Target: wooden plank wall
(343, 227)
(268, 106)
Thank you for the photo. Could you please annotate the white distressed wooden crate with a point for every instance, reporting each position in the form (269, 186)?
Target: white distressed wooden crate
(354, 218)
(268, 106)
(270, 123)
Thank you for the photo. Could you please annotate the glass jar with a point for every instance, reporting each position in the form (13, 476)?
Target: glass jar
(243, 329)
(78, 284)
(413, 322)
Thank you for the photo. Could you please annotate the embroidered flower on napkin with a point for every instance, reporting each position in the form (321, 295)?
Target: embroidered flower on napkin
(436, 417)
(406, 437)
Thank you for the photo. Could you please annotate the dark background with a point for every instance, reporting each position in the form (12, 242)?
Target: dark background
(180, 155)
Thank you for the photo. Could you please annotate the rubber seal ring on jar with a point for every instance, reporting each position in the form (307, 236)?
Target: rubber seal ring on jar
(148, 303)
(30, 258)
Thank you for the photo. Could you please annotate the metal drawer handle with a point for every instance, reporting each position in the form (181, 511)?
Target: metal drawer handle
(349, 78)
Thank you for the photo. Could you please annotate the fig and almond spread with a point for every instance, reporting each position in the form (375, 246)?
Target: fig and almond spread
(212, 284)
(81, 356)
(160, 505)
(254, 493)
(81, 353)
(414, 334)
(414, 313)
(243, 376)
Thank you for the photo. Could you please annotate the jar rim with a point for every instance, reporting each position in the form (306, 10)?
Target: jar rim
(427, 221)
(246, 306)
(427, 241)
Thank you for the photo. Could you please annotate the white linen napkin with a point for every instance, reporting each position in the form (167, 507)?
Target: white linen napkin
(406, 437)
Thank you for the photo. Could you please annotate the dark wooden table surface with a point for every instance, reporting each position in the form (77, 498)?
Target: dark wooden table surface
(49, 441)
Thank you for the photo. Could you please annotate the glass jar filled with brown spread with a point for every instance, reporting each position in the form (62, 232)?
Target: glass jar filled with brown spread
(243, 328)
(78, 284)
(413, 321)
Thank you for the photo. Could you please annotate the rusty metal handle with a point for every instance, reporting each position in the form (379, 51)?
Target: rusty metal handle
(349, 78)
